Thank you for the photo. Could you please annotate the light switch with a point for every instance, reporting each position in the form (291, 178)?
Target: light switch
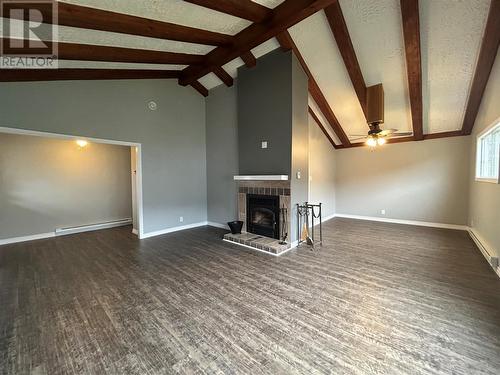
(264, 144)
(298, 175)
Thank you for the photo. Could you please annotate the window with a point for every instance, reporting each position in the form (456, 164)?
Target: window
(488, 154)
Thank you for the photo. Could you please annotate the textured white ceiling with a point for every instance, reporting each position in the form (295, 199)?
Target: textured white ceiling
(175, 11)
(269, 3)
(86, 36)
(376, 32)
(210, 80)
(323, 120)
(317, 46)
(451, 34)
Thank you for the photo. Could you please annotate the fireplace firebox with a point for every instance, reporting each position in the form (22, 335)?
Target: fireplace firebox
(263, 215)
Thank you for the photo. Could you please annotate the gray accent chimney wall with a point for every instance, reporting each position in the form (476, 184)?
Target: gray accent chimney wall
(265, 114)
(272, 107)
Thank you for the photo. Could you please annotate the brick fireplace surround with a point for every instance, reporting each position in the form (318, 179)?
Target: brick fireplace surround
(266, 244)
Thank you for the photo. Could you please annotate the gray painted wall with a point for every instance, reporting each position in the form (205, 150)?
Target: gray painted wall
(48, 183)
(172, 137)
(222, 154)
(424, 181)
(485, 197)
(265, 114)
(321, 169)
(300, 141)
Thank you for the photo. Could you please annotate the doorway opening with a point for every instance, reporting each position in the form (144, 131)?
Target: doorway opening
(57, 184)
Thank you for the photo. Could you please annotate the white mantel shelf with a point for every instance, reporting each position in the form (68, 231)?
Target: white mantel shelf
(268, 177)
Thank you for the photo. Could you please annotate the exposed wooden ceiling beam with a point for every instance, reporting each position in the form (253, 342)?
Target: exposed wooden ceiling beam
(200, 88)
(245, 9)
(318, 122)
(341, 34)
(283, 16)
(70, 51)
(249, 59)
(411, 32)
(104, 20)
(487, 54)
(88, 52)
(27, 75)
(223, 76)
(286, 43)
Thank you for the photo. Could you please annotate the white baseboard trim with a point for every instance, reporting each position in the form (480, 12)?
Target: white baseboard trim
(33, 237)
(486, 249)
(329, 217)
(135, 231)
(173, 229)
(406, 222)
(66, 231)
(92, 227)
(217, 225)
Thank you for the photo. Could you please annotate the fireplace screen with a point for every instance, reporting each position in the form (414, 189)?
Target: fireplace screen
(263, 215)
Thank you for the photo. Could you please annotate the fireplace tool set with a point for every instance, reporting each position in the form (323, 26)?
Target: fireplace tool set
(284, 225)
(304, 212)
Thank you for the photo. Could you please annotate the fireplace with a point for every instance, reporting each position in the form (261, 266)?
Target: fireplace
(263, 215)
(264, 208)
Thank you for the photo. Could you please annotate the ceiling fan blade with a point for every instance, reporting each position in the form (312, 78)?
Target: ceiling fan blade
(358, 135)
(405, 134)
(387, 132)
(358, 138)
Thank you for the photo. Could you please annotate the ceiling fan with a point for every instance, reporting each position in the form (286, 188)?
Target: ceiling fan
(375, 117)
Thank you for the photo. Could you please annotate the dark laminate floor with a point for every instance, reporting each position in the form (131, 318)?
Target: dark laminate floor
(410, 301)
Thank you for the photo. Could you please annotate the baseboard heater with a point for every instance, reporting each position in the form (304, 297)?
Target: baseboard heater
(91, 227)
(492, 260)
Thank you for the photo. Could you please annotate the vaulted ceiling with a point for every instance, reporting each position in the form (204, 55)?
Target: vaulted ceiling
(432, 57)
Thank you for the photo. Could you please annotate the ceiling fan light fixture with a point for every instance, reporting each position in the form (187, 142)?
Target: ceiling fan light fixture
(381, 141)
(371, 142)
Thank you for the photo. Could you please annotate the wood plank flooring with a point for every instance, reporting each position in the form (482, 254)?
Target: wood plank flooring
(375, 299)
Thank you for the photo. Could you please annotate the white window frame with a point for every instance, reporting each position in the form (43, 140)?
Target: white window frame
(492, 127)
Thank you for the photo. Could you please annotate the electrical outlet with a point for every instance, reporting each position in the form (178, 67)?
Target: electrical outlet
(181, 219)
(382, 212)
(264, 144)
